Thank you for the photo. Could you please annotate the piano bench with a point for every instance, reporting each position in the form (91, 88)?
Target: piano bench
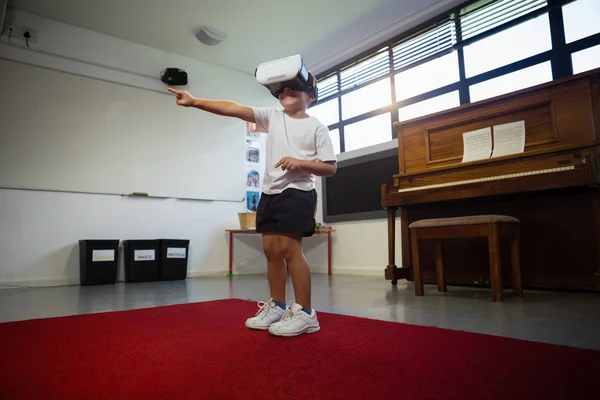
(494, 227)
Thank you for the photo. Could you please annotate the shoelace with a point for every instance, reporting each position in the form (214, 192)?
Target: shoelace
(264, 308)
(288, 316)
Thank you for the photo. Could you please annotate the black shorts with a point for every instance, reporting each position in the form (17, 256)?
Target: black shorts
(291, 211)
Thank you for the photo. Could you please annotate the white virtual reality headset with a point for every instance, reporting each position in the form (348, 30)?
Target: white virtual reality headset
(289, 72)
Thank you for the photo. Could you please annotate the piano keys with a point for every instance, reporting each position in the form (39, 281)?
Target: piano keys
(553, 186)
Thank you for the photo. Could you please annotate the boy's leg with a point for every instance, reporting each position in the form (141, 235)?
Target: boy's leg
(291, 249)
(300, 318)
(266, 223)
(276, 268)
(273, 310)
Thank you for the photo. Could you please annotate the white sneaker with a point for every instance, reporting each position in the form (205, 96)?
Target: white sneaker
(295, 322)
(268, 313)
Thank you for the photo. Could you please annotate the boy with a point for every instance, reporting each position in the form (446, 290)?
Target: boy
(298, 149)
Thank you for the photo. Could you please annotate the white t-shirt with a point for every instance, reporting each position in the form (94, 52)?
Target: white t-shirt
(303, 139)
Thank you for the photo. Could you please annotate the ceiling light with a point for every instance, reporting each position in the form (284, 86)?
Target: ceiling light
(210, 36)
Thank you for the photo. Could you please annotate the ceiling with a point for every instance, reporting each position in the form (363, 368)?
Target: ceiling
(324, 31)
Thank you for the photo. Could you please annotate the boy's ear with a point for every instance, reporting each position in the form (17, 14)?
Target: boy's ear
(311, 99)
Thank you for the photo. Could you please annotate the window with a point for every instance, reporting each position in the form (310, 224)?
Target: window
(483, 49)
(423, 78)
(367, 99)
(511, 82)
(581, 19)
(585, 60)
(327, 113)
(429, 106)
(335, 140)
(368, 132)
(508, 46)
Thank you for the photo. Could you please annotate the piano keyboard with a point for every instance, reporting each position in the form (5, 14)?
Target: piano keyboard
(489, 178)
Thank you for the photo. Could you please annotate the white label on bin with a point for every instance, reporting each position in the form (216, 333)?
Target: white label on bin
(176, 252)
(144, 255)
(103, 255)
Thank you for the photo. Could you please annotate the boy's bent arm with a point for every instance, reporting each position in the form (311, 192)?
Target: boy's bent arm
(320, 168)
(226, 108)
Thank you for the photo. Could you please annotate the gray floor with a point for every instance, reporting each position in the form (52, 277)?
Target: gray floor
(571, 319)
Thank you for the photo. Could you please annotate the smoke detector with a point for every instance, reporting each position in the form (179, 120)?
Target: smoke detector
(210, 36)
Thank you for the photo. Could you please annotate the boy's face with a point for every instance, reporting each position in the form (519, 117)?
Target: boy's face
(293, 100)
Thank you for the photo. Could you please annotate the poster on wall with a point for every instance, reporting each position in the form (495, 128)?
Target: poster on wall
(252, 199)
(252, 151)
(252, 178)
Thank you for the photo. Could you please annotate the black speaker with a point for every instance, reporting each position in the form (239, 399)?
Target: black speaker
(174, 77)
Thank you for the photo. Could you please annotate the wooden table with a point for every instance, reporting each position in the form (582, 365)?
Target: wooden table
(232, 232)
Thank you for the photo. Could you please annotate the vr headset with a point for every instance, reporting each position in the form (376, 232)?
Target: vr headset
(288, 72)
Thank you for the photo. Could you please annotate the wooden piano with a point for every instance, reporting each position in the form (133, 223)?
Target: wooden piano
(552, 187)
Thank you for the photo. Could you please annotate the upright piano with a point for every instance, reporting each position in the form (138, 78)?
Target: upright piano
(551, 186)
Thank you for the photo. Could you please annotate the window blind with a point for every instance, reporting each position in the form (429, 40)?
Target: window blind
(481, 17)
(328, 86)
(365, 71)
(427, 44)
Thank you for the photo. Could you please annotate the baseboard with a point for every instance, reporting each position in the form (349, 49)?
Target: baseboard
(44, 282)
(358, 271)
(206, 273)
(335, 271)
(47, 282)
(220, 273)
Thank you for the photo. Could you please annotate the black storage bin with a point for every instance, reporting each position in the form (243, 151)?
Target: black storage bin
(98, 261)
(174, 259)
(141, 260)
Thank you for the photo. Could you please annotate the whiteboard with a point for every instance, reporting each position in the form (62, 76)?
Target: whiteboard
(64, 132)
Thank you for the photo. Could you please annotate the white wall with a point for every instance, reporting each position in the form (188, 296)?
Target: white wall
(360, 247)
(39, 230)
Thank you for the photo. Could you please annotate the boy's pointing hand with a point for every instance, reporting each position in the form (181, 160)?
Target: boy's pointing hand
(183, 98)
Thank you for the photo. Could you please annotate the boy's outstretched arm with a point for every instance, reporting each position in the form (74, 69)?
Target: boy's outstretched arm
(220, 107)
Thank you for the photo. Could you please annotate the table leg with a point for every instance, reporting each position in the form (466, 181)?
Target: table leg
(329, 252)
(230, 253)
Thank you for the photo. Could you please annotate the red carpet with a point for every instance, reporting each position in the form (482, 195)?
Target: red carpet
(203, 351)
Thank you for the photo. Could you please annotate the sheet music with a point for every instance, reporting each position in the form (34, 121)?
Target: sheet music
(509, 139)
(477, 144)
